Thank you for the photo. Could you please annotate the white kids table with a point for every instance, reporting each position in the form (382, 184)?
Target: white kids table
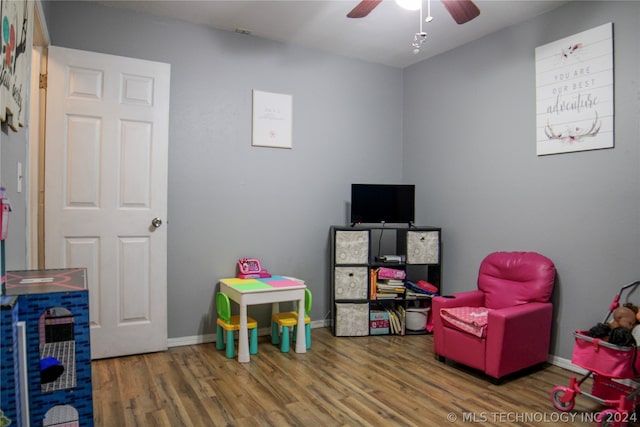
(272, 290)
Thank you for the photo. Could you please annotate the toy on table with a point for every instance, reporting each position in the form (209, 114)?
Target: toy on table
(250, 268)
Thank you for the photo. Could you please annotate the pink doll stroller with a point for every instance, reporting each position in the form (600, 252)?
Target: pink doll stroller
(606, 363)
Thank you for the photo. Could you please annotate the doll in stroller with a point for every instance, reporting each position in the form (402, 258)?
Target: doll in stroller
(608, 352)
(621, 330)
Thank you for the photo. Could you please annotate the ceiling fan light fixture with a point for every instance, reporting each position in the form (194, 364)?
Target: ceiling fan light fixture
(418, 40)
(429, 18)
(420, 37)
(409, 4)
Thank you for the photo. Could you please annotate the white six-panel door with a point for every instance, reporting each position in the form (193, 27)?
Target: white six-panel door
(105, 184)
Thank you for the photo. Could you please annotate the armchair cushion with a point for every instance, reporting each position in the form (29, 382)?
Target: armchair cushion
(468, 319)
(516, 278)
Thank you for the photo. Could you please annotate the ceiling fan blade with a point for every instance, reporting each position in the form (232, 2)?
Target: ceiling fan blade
(461, 10)
(363, 8)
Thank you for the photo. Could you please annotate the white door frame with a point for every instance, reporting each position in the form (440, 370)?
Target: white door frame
(35, 188)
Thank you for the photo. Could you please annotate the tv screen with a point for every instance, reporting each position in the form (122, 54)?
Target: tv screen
(373, 203)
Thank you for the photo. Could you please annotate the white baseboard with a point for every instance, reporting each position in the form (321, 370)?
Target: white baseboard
(565, 364)
(207, 338)
(192, 340)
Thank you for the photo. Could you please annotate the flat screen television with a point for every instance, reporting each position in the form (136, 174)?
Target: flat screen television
(373, 203)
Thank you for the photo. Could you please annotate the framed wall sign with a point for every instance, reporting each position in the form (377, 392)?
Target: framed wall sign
(272, 119)
(574, 93)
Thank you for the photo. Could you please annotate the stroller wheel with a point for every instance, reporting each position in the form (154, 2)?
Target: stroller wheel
(609, 418)
(563, 398)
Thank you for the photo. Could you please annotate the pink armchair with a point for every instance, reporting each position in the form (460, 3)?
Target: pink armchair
(503, 326)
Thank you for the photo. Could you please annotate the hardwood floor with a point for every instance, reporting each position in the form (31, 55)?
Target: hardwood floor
(360, 381)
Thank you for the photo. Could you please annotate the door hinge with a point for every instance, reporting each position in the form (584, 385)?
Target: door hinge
(43, 81)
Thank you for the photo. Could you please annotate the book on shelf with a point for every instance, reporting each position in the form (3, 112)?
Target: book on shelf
(390, 273)
(389, 292)
(394, 324)
(385, 288)
(396, 321)
(417, 295)
(389, 320)
(391, 284)
(389, 288)
(384, 282)
(383, 296)
(373, 286)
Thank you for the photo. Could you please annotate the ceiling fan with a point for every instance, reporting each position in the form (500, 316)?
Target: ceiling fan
(461, 10)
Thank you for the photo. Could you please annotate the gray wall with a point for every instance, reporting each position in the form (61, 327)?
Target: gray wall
(227, 199)
(14, 149)
(469, 145)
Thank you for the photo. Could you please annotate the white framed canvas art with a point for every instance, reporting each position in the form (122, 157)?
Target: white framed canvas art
(574, 93)
(272, 119)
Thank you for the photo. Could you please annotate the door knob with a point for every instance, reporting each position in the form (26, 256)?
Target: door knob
(156, 222)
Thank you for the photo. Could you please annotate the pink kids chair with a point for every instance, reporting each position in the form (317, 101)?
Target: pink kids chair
(504, 326)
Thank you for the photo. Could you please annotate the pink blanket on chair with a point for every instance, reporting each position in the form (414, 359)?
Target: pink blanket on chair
(468, 319)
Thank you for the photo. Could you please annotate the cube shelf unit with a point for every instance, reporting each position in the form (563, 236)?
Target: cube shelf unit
(357, 251)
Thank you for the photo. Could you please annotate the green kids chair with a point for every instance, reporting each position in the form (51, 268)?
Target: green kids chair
(230, 324)
(289, 319)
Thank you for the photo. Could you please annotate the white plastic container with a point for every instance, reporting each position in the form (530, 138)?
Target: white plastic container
(417, 319)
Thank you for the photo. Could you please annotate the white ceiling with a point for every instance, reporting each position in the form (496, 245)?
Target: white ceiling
(383, 37)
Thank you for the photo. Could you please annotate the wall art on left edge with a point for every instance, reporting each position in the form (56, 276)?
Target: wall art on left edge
(17, 32)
